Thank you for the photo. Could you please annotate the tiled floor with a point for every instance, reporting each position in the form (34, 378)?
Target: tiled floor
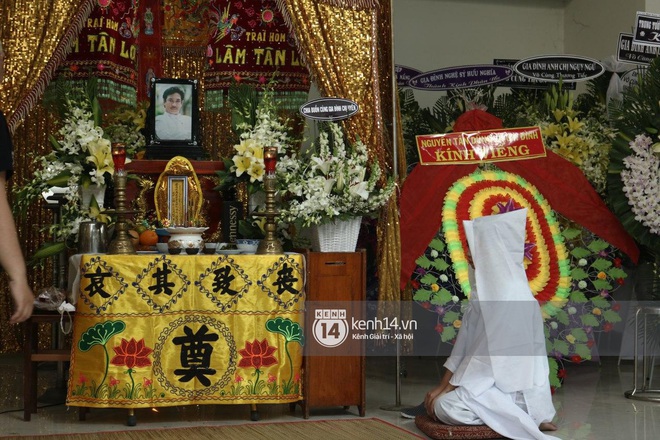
(590, 405)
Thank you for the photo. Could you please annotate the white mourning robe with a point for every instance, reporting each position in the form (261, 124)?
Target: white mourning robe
(499, 360)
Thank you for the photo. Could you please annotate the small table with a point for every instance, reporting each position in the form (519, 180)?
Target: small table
(33, 355)
(166, 330)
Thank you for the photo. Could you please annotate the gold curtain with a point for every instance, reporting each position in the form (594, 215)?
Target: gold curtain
(35, 35)
(347, 48)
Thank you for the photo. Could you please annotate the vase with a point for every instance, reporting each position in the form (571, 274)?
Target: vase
(336, 236)
(96, 191)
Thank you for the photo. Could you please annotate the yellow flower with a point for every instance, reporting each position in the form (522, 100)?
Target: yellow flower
(435, 287)
(601, 275)
(256, 150)
(596, 311)
(96, 213)
(559, 114)
(574, 125)
(457, 323)
(256, 171)
(565, 140)
(570, 339)
(260, 222)
(552, 130)
(242, 164)
(101, 156)
(243, 147)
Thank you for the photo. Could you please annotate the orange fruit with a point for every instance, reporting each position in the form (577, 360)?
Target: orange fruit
(148, 238)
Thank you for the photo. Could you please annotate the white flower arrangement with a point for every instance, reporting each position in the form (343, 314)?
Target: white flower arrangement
(81, 157)
(641, 182)
(333, 180)
(247, 164)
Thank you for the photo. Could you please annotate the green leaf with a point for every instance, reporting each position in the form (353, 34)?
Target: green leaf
(429, 279)
(580, 252)
(580, 335)
(589, 320)
(598, 245)
(47, 250)
(444, 296)
(422, 295)
(437, 245)
(616, 273)
(423, 262)
(562, 317)
(601, 264)
(583, 351)
(611, 316)
(100, 334)
(291, 331)
(448, 334)
(600, 302)
(554, 369)
(578, 274)
(577, 297)
(61, 180)
(450, 317)
(440, 265)
(571, 233)
(602, 284)
(561, 347)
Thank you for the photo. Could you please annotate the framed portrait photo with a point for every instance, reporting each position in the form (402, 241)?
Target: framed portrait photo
(173, 119)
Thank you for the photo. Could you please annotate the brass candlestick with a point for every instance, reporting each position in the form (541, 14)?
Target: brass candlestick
(270, 244)
(122, 243)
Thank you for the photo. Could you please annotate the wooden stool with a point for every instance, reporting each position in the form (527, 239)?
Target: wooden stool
(32, 355)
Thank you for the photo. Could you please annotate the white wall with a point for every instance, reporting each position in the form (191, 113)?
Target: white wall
(432, 34)
(592, 27)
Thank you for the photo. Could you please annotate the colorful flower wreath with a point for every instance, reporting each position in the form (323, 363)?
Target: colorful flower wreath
(491, 192)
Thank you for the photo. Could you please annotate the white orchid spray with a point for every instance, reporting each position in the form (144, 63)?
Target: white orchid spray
(81, 156)
(266, 130)
(332, 180)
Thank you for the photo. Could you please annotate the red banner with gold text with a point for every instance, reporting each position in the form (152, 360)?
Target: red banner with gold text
(249, 42)
(107, 48)
(481, 146)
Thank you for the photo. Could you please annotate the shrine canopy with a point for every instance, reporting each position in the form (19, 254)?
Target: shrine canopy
(478, 139)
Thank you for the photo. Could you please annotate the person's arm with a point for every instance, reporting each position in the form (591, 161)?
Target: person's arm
(443, 388)
(11, 259)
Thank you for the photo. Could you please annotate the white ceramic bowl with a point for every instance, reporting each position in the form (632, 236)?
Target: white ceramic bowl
(247, 245)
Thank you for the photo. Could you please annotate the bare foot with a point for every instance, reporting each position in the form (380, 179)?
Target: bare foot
(547, 426)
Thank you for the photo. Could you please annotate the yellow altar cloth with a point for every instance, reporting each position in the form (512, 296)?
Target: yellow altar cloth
(164, 330)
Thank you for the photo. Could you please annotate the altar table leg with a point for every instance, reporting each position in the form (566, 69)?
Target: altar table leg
(254, 413)
(132, 421)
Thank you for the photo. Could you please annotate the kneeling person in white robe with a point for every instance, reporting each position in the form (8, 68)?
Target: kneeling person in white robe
(497, 373)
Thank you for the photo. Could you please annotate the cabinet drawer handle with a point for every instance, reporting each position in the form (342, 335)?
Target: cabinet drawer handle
(335, 263)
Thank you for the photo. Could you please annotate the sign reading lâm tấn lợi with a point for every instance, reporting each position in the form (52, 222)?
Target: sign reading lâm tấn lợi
(481, 146)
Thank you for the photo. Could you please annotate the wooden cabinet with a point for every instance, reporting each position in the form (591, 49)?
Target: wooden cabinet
(334, 375)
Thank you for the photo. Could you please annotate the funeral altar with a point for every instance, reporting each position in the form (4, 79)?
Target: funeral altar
(163, 330)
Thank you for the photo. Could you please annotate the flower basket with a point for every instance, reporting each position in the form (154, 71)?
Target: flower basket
(336, 236)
